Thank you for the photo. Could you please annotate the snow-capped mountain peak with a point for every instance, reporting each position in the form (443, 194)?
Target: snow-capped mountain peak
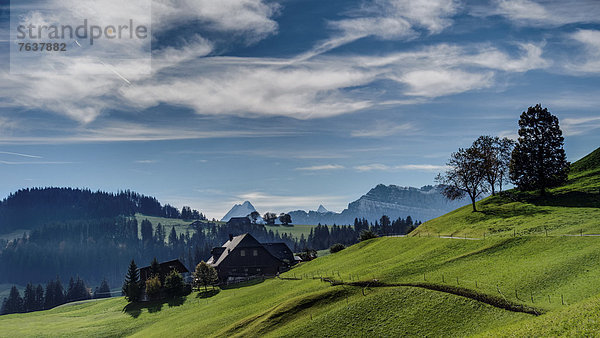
(322, 209)
(239, 210)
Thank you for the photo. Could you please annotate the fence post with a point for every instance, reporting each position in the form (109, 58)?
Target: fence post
(457, 281)
(548, 299)
(532, 297)
(476, 284)
(562, 300)
(443, 281)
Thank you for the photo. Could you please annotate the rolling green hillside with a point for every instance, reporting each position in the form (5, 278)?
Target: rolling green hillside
(571, 209)
(513, 281)
(535, 266)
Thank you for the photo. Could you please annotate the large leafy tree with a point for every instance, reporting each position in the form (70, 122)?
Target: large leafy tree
(538, 160)
(465, 175)
(205, 275)
(496, 154)
(131, 286)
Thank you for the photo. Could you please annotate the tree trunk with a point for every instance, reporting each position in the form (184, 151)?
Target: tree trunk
(473, 203)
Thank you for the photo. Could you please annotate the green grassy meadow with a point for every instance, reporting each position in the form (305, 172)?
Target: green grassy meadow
(362, 290)
(533, 265)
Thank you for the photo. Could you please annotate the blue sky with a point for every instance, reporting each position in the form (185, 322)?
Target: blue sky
(297, 103)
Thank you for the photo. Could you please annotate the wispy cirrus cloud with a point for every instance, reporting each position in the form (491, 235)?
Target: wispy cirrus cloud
(388, 20)
(384, 167)
(544, 12)
(121, 131)
(384, 129)
(19, 154)
(34, 162)
(590, 60)
(580, 125)
(301, 88)
(322, 167)
(283, 203)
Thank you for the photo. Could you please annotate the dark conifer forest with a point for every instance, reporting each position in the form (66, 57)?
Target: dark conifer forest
(94, 235)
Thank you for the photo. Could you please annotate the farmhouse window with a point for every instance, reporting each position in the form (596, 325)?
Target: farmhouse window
(254, 252)
(242, 253)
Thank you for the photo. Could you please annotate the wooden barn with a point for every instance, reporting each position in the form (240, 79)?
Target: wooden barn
(243, 256)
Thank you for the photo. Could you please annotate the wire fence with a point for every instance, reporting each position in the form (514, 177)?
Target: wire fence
(498, 234)
(517, 294)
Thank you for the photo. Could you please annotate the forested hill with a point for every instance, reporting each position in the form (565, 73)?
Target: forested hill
(32, 208)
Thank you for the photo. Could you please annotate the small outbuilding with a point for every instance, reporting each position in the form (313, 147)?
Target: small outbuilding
(165, 269)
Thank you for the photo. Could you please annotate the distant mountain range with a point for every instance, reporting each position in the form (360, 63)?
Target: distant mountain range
(421, 204)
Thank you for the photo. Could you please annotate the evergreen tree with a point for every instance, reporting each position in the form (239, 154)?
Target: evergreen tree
(146, 229)
(39, 297)
(131, 286)
(14, 302)
(29, 302)
(539, 160)
(103, 291)
(173, 238)
(174, 283)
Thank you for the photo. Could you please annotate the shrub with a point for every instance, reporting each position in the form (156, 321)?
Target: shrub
(337, 247)
(367, 234)
(153, 287)
(174, 284)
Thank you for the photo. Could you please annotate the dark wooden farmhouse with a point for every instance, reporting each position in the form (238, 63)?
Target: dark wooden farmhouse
(165, 269)
(243, 256)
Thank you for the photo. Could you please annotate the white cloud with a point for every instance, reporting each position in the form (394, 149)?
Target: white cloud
(122, 131)
(322, 167)
(307, 89)
(589, 62)
(389, 20)
(580, 125)
(423, 167)
(252, 18)
(33, 162)
(545, 12)
(384, 129)
(241, 87)
(494, 59)
(19, 154)
(415, 167)
(432, 83)
(372, 167)
(283, 203)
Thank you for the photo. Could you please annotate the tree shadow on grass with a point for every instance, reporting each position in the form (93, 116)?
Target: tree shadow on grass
(135, 309)
(208, 293)
(243, 284)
